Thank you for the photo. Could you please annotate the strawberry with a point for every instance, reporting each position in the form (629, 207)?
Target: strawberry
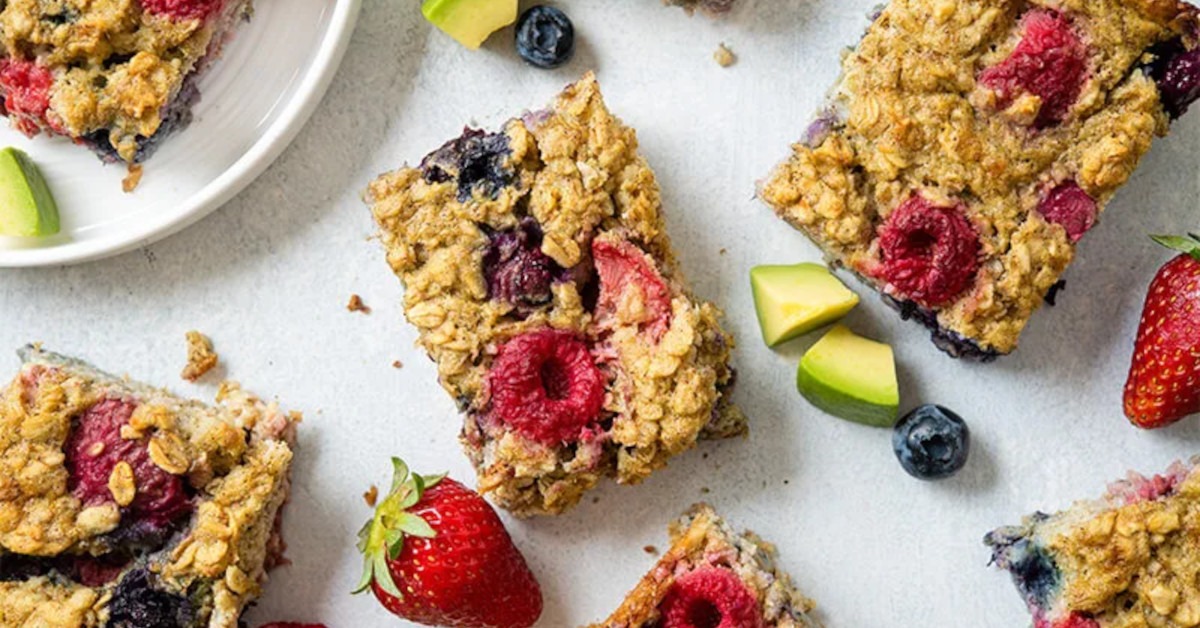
(437, 554)
(1164, 379)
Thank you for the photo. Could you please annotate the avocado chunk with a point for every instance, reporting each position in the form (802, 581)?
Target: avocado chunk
(794, 300)
(26, 207)
(470, 22)
(851, 377)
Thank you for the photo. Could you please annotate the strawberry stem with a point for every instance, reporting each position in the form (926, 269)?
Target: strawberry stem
(1189, 244)
(382, 537)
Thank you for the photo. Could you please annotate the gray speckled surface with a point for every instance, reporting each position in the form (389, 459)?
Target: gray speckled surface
(268, 277)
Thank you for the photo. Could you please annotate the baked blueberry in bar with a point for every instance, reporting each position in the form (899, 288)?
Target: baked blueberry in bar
(970, 144)
(713, 576)
(124, 506)
(541, 280)
(114, 75)
(1129, 559)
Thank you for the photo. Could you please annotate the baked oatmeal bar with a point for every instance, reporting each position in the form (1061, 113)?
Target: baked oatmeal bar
(710, 571)
(970, 144)
(122, 505)
(539, 275)
(1130, 559)
(114, 75)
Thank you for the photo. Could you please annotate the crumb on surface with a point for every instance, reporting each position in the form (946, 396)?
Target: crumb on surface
(650, 549)
(200, 356)
(356, 305)
(724, 56)
(397, 364)
(132, 178)
(723, 251)
(704, 490)
(371, 496)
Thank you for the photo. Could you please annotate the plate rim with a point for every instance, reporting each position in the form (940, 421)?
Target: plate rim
(239, 175)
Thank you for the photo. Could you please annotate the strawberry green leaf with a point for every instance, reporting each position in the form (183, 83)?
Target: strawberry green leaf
(1189, 244)
(400, 473)
(413, 525)
(394, 541)
(381, 539)
(383, 577)
(364, 582)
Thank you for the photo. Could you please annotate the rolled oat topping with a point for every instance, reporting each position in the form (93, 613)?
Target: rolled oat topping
(1025, 115)
(98, 477)
(553, 227)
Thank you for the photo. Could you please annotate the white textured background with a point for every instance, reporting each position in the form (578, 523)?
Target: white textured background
(269, 275)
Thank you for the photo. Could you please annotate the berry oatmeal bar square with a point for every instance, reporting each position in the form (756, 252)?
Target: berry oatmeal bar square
(970, 144)
(539, 275)
(114, 75)
(712, 576)
(1129, 559)
(122, 505)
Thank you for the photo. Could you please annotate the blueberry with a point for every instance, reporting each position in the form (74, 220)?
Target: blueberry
(1033, 571)
(516, 269)
(15, 568)
(545, 37)
(1177, 73)
(931, 442)
(137, 604)
(476, 159)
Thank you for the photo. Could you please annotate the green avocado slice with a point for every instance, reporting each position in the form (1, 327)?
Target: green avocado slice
(794, 300)
(470, 22)
(27, 209)
(852, 378)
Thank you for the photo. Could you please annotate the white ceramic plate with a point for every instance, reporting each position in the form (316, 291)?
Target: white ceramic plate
(253, 102)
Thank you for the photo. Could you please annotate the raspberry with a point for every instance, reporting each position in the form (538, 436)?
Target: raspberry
(930, 253)
(96, 572)
(1068, 205)
(1050, 62)
(515, 268)
(1139, 488)
(623, 268)
(1177, 73)
(26, 88)
(545, 385)
(95, 448)
(183, 9)
(710, 597)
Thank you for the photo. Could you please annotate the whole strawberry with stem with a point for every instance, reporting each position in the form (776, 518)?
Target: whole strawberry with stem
(1164, 379)
(436, 553)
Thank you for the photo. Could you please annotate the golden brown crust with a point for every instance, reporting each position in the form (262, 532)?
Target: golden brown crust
(576, 171)
(38, 516)
(1138, 561)
(41, 603)
(915, 119)
(701, 538)
(235, 456)
(1131, 560)
(115, 66)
